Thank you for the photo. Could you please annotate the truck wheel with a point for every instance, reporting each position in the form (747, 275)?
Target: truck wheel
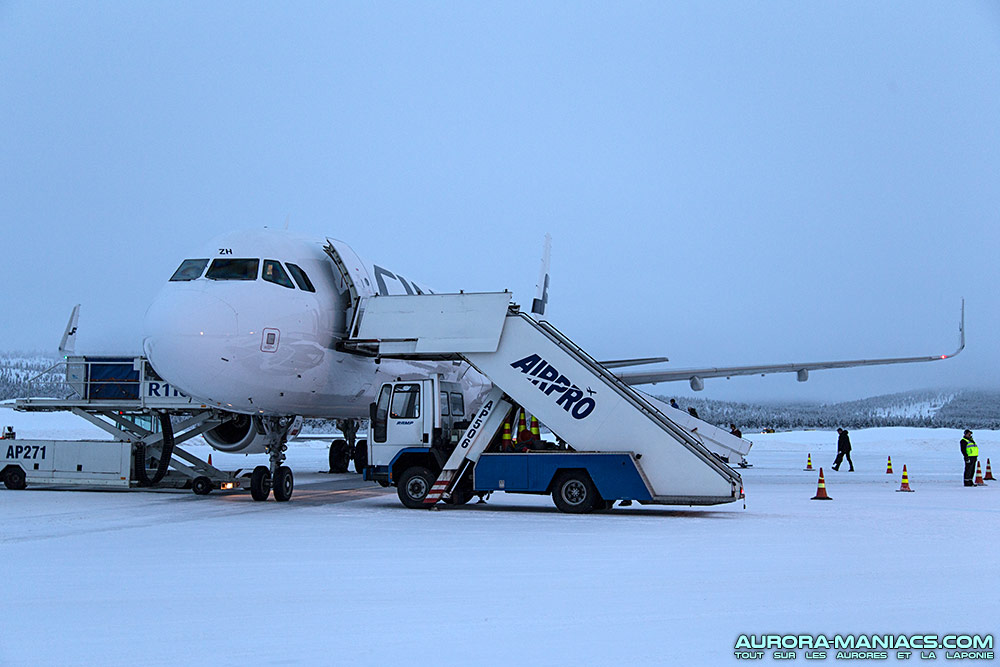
(360, 456)
(340, 455)
(413, 486)
(574, 493)
(461, 494)
(14, 479)
(283, 484)
(260, 483)
(202, 486)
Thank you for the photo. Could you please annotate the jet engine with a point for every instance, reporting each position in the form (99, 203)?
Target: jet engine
(250, 434)
(237, 435)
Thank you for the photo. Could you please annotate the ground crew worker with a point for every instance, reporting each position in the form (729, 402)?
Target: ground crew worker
(970, 450)
(843, 449)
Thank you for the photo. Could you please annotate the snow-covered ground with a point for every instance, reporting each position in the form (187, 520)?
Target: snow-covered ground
(341, 577)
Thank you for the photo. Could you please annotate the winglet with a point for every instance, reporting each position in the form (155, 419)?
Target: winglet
(961, 335)
(68, 344)
(542, 287)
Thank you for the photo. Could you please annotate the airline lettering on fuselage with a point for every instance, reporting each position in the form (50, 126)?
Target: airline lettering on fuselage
(383, 289)
(548, 380)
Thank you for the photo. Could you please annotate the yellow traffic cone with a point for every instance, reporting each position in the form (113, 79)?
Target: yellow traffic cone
(888, 467)
(809, 462)
(505, 444)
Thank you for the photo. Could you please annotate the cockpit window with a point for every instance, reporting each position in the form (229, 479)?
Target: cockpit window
(190, 269)
(273, 273)
(233, 269)
(301, 279)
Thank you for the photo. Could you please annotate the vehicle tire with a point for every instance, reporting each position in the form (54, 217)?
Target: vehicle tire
(360, 456)
(460, 497)
(574, 493)
(284, 483)
(202, 486)
(340, 455)
(462, 493)
(260, 483)
(413, 486)
(14, 479)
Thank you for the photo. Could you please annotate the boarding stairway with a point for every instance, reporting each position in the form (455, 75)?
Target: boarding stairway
(532, 364)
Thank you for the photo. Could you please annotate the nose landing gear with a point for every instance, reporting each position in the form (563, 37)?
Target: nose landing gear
(277, 477)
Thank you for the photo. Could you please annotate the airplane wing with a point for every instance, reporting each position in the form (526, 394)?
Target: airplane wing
(696, 376)
(644, 361)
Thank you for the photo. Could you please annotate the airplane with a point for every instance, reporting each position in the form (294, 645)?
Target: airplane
(253, 324)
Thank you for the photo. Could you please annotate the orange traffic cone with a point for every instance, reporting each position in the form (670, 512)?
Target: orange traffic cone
(809, 462)
(888, 467)
(523, 434)
(989, 473)
(821, 489)
(979, 474)
(537, 434)
(505, 443)
(905, 486)
(209, 458)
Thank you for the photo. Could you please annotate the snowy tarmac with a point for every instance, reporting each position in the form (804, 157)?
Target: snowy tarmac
(343, 574)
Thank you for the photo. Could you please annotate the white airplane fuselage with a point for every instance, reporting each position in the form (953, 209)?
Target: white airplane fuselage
(267, 346)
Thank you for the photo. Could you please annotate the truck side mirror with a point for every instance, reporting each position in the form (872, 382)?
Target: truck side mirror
(372, 410)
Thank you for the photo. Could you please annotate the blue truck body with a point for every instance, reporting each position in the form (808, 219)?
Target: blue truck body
(615, 474)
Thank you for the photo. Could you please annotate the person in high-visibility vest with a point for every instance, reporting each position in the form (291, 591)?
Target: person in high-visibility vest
(970, 450)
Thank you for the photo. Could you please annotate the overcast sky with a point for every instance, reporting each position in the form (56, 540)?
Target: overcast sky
(725, 183)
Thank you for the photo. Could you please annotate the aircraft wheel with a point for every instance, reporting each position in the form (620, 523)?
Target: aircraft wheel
(340, 455)
(202, 486)
(260, 483)
(14, 479)
(360, 456)
(283, 484)
(414, 485)
(575, 493)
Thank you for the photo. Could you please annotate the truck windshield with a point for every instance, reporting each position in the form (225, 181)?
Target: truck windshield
(190, 269)
(405, 401)
(233, 269)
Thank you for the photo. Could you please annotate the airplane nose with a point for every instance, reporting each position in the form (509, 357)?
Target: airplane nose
(186, 334)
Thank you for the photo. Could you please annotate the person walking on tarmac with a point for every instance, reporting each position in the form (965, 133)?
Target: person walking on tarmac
(970, 450)
(843, 449)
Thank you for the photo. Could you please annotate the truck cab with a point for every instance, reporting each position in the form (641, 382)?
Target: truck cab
(414, 424)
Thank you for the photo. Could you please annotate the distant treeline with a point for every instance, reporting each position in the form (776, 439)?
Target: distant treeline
(952, 409)
(941, 409)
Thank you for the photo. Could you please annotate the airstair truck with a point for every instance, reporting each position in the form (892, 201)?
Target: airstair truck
(619, 446)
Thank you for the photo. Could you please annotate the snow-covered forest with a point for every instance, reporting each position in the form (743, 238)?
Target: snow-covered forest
(974, 409)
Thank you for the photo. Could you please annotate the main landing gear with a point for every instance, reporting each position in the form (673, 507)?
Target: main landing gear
(277, 478)
(343, 450)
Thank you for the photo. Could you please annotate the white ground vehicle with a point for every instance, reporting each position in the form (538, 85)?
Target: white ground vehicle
(619, 446)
